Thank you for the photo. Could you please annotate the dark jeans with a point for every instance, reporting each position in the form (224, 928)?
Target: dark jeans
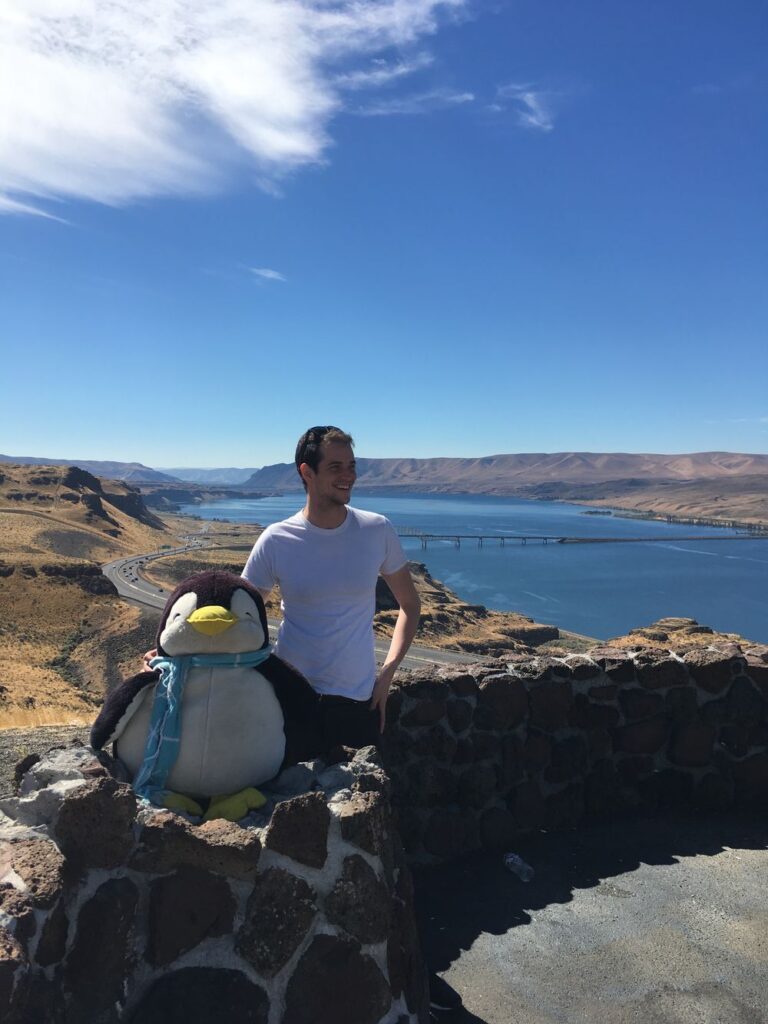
(348, 722)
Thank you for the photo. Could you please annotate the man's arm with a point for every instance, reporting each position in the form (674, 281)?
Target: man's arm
(401, 585)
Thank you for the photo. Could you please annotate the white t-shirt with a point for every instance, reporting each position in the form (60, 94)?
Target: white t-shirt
(328, 583)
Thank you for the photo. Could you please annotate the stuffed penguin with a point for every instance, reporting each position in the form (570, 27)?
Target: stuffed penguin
(219, 714)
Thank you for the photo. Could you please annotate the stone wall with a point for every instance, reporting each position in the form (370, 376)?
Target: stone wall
(111, 911)
(477, 758)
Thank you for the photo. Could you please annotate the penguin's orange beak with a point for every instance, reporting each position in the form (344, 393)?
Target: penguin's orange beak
(212, 619)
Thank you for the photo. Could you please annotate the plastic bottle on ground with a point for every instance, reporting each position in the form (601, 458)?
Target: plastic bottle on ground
(518, 867)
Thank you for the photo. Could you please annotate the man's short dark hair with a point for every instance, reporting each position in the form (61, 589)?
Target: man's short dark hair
(311, 444)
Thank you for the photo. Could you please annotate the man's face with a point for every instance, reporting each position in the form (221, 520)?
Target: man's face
(335, 475)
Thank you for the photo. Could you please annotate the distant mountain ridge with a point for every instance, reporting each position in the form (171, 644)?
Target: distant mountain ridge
(229, 477)
(129, 472)
(525, 473)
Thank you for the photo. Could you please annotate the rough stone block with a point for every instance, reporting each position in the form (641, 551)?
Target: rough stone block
(13, 964)
(566, 808)
(657, 673)
(714, 712)
(600, 744)
(167, 841)
(506, 698)
(394, 704)
(436, 742)
(585, 715)
(603, 692)
(53, 937)
(18, 912)
(462, 684)
(200, 995)
(527, 805)
(498, 828)
(486, 745)
(710, 670)
(620, 669)
(185, 908)
(459, 714)
(365, 821)
(644, 737)
(426, 712)
(681, 704)
(278, 915)
(743, 702)
(550, 704)
(405, 965)
(751, 780)
(510, 770)
(569, 759)
(99, 962)
(39, 864)
(425, 687)
(299, 829)
(692, 745)
(638, 703)
(359, 902)
(94, 827)
(734, 739)
(537, 750)
(465, 751)
(335, 983)
(583, 668)
(601, 790)
(476, 786)
(713, 793)
(633, 768)
(430, 784)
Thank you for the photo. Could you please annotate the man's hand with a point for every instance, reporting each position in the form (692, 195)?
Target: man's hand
(381, 692)
(146, 658)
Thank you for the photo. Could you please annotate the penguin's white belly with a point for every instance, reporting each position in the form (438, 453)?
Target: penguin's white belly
(232, 732)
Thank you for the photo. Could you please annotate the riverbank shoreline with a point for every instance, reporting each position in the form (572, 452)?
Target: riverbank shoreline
(695, 518)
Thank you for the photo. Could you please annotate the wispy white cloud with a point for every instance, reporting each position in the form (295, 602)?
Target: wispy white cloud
(8, 205)
(268, 275)
(532, 106)
(382, 72)
(113, 100)
(754, 420)
(420, 103)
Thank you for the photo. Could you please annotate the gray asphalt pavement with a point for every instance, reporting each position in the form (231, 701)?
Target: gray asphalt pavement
(644, 922)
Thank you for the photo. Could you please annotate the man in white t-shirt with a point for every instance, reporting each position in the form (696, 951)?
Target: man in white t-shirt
(326, 560)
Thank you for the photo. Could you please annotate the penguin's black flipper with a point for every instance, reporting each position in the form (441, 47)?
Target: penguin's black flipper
(301, 709)
(119, 706)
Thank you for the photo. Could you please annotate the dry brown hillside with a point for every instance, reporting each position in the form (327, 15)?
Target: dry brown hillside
(57, 526)
(722, 485)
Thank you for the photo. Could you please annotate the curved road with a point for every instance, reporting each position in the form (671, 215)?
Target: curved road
(127, 577)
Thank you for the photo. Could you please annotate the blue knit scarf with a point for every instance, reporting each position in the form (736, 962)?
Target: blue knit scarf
(162, 745)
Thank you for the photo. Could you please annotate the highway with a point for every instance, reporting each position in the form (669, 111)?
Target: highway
(126, 574)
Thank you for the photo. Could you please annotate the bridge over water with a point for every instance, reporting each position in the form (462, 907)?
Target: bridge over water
(502, 539)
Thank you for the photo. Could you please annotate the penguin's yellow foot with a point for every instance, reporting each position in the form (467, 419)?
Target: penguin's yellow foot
(236, 806)
(179, 802)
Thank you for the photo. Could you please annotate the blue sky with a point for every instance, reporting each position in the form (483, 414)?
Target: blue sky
(451, 228)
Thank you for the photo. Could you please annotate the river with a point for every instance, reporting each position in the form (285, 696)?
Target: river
(600, 590)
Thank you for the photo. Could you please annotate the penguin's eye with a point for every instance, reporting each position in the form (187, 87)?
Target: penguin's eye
(244, 606)
(185, 605)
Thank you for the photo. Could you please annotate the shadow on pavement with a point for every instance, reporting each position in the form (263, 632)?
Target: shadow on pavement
(458, 902)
